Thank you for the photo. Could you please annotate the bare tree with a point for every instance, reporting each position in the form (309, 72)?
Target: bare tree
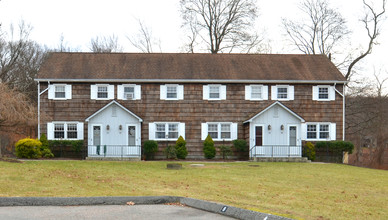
(222, 24)
(105, 44)
(326, 28)
(20, 59)
(144, 39)
(15, 108)
(367, 121)
(326, 31)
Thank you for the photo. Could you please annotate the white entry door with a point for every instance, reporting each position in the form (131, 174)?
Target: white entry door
(292, 135)
(133, 141)
(131, 135)
(96, 135)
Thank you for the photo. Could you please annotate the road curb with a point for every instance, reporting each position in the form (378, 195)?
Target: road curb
(139, 200)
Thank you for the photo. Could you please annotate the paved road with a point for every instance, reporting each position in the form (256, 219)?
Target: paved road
(116, 212)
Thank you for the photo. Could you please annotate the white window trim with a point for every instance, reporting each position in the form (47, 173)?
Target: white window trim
(152, 131)
(331, 93)
(290, 92)
(51, 125)
(233, 131)
(248, 92)
(206, 92)
(332, 131)
(94, 91)
(179, 91)
(68, 92)
(137, 91)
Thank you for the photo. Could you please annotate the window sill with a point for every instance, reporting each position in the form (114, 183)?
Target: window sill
(219, 99)
(326, 139)
(323, 100)
(102, 99)
(169, 139)
(223, 139)
(172, 99)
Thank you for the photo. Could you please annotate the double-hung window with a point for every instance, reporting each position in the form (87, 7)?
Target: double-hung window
(59, 131)
(282, 92)
(323, 93)
(219, 131)
(321, 131)
(129, 92)
(65, 130)
(102, 91)
(214, 92)
(256, 92)
(171, 92)
(213, 131)
(72, 131)
(166, 130)
(59, 91)
(226, 131)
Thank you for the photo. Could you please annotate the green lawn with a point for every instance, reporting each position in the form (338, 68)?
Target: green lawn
(296, 190)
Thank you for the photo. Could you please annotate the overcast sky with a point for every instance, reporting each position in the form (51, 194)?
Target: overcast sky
(80, 20)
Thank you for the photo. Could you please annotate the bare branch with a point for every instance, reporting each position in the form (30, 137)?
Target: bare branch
(371, 23)
(105, 44)
(222, 24)
(144, 40)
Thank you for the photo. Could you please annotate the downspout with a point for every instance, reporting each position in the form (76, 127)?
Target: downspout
(343, 108)
(40, 93)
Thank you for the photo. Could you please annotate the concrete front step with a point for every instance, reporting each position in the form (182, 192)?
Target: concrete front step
(281, 159)
(114, 158)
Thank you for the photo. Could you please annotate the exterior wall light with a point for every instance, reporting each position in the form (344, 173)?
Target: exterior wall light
(107, 127)
(269, 127)
(120, 127)
(282, 127)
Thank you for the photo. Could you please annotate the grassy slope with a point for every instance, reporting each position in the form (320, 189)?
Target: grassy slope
(307, 191)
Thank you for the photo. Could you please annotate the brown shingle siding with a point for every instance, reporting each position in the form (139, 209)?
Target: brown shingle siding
(193, 110)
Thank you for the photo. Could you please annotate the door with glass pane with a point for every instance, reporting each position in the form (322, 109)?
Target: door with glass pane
(131, 135)
(96, 140)
(292, 136)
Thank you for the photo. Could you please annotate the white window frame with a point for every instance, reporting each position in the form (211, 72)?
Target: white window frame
(121, 91)
(290, 92)
(233, 130)
(53, 88)
(66, 127)
(94, 91)
(330, 90)
(249, 89)
(153, 130)
(179, 91)
(221, 89)
(331, 131)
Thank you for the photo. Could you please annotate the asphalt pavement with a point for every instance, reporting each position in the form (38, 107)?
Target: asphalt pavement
(117, 212)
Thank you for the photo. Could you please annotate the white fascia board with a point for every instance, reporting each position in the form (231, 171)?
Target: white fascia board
(109, 104)
(207, 81)
(269, 107)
